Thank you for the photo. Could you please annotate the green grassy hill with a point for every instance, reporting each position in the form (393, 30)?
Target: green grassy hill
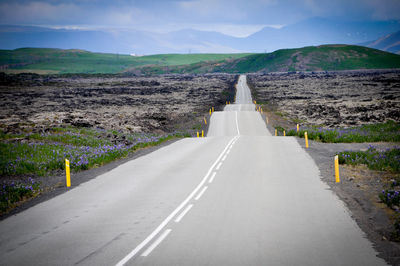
(313, 58)
(44, 60)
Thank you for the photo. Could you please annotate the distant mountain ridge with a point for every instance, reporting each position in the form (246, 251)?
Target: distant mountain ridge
(389, 43)
(315, 31)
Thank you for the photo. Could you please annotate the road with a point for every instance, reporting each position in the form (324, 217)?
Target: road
(237, 197)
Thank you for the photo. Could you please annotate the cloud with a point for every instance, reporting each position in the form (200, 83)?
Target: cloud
(234, 17)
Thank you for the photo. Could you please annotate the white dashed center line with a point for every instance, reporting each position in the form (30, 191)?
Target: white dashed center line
(156, 243)
(212, 177)
(201, 193)
(186, 210)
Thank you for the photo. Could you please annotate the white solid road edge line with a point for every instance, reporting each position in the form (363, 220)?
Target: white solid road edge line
(212, 177)
(186, 210)
(156, 243)
(218, 166)
(171, 216)
(201, 193)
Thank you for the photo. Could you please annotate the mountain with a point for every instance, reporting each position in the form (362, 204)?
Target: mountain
(315, 31)
(389, 43)
(312, 58)
(116, 41)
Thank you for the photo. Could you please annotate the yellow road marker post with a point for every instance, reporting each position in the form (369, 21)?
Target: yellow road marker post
(298, 127)
(306, 137)
(229, 102)
(337, 178)
(276, 132)
(67, 173)
(226, 103)
(198, 134)
(284, 133)
(213, 109)
(202, 133)
(210, 111)
(205, 121)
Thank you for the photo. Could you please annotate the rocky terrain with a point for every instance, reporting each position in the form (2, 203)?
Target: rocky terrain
(125, 103)
(332, 99)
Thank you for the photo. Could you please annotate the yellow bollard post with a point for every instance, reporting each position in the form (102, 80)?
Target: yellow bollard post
(298, 127)
(210, 111)
(306, 137)
(261, 110)
(205, 121)
(202, 133)
(198, 134)
(276, 132)
(255, 102)
(284, 133)
(337, 169)
(226, 103)
(229, 102)
(213, 109)
(67, 172)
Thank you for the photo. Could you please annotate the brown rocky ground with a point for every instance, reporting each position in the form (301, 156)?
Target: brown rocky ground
(135, 104)
(333, 99)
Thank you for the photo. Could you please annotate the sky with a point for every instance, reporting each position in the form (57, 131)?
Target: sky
(238, 18)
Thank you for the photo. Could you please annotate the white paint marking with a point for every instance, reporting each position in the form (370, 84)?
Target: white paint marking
(201, 193)
(237, 125)
(228, 151)
(156, 243)
(223, 159)
(171, 216)
(212, 177)
(179, 218)
(218, 166)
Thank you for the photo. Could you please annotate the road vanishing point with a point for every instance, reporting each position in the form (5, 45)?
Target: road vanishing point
(236, 197)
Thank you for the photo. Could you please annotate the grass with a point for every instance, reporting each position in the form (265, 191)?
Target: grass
(387, 160)
(42, 154)
(43, 60)
(33, 154)
(10, 194)
(387, 132)
(312, 58)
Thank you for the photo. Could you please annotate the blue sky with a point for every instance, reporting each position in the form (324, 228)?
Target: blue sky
(233, 17)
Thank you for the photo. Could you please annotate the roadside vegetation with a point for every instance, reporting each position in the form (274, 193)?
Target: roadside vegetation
(11, 194)
(39, 155)
(386, 160)
(386, 132)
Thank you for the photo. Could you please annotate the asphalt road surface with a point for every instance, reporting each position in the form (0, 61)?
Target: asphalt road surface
(237, 197)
